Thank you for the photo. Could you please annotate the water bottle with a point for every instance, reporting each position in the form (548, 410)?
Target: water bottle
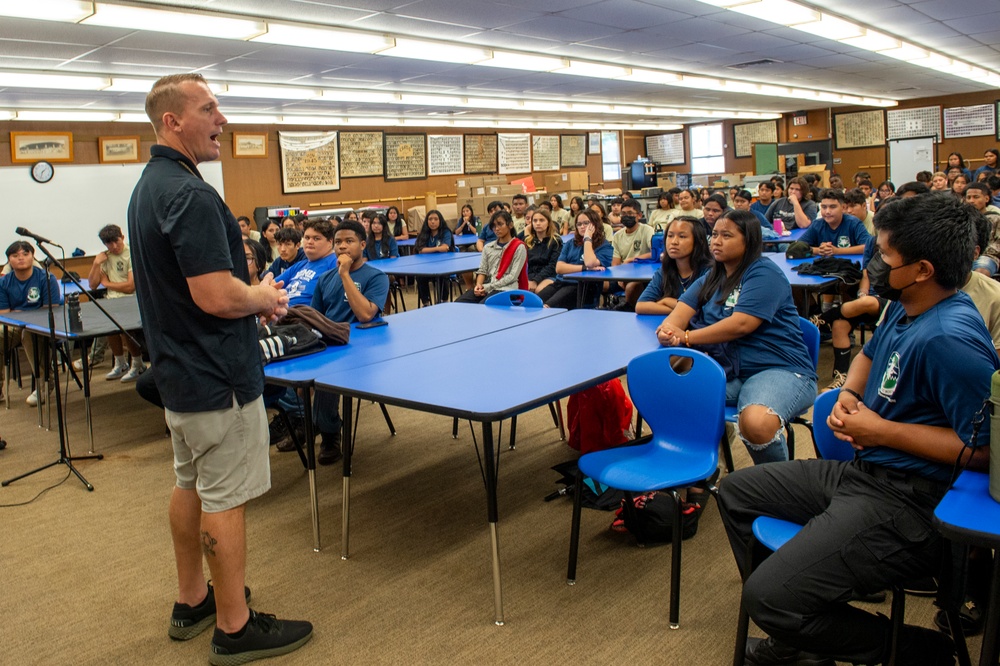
(995, 437)
(779, 226)
(73, 313)
(656, 244)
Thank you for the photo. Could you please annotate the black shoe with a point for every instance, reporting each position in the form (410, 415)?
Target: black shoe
(277, 431)
(971, 615)
(329, 448)
(263, 636)
(769, 652)
(297, 434)
(927, 647)
(186, 622)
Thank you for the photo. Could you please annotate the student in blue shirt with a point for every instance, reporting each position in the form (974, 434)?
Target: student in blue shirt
(300, 278)
(434, 236)
(835, 232)
(746, 302)
(992, 157)
(907, 409)
(380, 244)
(588, 251)
(486, 234)
(353, 291)
(685, 259)
(288, 240)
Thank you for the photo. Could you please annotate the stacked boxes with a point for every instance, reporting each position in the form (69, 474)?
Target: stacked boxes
(479, 191)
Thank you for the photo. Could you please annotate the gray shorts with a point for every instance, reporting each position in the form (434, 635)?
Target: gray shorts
(223, 454)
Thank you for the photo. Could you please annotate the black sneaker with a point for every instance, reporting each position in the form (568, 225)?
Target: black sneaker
(186, 622)
(263, 636)
(297, 434)
(918, 645)
(277, 431)
(329, 448)
(769, 652)
(970, 614)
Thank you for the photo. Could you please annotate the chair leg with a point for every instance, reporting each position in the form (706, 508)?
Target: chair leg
(638, 425)
(743, 620)
(454, 428)
(898, 620)
(961, 649)
(295, 440)
(790, 440)
(675, 565)
(727, 452)
(513, 431)
(574, 531)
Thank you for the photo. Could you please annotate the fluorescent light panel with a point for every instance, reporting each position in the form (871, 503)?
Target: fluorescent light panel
(67, 11)
(199, 24)
(54, 81)
(419, 49)
(68, 116)
(331, 39)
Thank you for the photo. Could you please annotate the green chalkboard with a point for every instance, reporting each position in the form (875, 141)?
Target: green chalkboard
(765, 158)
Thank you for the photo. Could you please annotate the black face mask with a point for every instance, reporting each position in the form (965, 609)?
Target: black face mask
(878, 277)
(629, 221)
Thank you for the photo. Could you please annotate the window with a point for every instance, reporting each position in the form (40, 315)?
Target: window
(706, 149)
(611, 156)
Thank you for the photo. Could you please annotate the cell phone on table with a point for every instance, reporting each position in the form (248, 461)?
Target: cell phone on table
(374, 323)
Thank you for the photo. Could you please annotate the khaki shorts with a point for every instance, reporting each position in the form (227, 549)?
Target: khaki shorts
(222, 454)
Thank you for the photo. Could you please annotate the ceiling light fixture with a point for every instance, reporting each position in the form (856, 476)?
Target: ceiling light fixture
(331, 39)
(66, 11)
(199, 24)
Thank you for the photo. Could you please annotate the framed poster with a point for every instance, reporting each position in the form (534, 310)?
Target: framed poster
(666, 149)
(118, 149)
(977, 120)
(914, 123)
(861, 129)
(747, 134)
(34, 146)
(444, 155)
(480, 153)
(309, 161)
(247, 144)
(405, 156)
(573, 150)
(361, 154)
(593, 143)
(514, 153)
(545, 153)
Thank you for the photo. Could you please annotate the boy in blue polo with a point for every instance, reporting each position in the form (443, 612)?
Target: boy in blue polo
(835, 232)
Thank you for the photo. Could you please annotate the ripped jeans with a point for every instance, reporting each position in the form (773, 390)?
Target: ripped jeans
(784, 393)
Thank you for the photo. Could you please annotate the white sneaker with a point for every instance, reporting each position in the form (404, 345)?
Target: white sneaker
(134, 372)
(78, 364)
(33, 399)
(118, 372)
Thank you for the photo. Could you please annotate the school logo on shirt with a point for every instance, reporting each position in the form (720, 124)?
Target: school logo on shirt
(636, 245)
(34, 295)
(843, 241)
(890, 377)
(356, 284)
(733, 298)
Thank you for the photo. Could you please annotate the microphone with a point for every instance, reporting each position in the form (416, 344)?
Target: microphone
(21, 231)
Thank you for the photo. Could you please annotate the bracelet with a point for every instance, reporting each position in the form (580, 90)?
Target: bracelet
(687, 341)
(587, 238)
(852, 392)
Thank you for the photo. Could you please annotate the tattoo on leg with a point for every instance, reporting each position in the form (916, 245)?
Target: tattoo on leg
(208, 543)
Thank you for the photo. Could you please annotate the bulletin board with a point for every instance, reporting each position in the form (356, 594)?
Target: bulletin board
(912, 123)
(360, 154)
(666, 149)
(861, 129)
(480, 153)
(545, 153)
(514, 153)
(976, 120)
(747, 134)
(444, 155)
(405, 156)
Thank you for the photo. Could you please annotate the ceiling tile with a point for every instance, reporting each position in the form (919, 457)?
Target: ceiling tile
(945, 11)
(625, 14)
(486, 16)
(561, 28)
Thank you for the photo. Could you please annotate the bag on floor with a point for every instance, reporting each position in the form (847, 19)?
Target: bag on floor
(599, 418)
(596, 495)
(654, 518)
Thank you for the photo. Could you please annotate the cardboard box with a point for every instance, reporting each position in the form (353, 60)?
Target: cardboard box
(463, 192)
(577, 180)
(819, 170)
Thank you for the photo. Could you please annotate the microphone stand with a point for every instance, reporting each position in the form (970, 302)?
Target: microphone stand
(65, 457)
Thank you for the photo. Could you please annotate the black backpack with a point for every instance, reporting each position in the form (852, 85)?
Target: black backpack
(652, 518)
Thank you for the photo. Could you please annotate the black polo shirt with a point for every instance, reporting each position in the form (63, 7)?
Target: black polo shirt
(179, 227)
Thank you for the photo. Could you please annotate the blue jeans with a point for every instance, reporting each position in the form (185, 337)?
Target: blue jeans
(786, 394)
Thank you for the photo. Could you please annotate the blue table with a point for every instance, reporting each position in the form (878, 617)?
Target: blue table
(71, 288)
(436, 265)
(463, 240)
(631, 272)
(771, 245)
(968, 514)
(406, 333)
(520, 382)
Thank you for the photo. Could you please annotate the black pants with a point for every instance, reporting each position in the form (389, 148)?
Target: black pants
(469, 296)
(863, 534)
(563, 294)
(424, 290)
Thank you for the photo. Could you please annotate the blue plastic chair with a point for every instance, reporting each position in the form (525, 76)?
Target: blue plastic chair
(773, 533)
(515, 297)
(810, 335)
(682, 449)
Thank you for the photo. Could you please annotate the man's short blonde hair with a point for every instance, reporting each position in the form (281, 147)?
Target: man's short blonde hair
(166, 95)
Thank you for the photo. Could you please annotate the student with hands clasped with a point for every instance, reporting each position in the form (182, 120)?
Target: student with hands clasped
(745, 303)
(502, 266)
(588, 251)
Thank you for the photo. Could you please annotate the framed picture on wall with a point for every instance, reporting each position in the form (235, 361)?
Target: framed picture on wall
(361, 154)
(34, 146)
(593, 143)
(118, 149)
(480, 153)
(310, 161)
(247, 144)
(405, 156)
(573, 150)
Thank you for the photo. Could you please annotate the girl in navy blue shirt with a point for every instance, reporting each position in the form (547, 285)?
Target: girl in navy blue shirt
(745, 302)
(588, 251)
(685, 259)
(434, 236)
(380, 243)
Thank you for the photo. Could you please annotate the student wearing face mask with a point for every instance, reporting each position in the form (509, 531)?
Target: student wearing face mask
(631, 242)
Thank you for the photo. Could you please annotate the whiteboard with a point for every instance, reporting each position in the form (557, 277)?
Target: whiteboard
(908, 156)
(79, 200)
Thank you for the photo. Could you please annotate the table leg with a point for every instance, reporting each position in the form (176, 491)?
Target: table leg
(490, 478)
(990, 652)
(347, 447)
(8, 367)
(579, 294)
(311, 464)
(86, 392)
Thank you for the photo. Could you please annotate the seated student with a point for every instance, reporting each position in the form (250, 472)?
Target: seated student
(631, 242)
(886, 190)
(486, 234)
(712, 209)
(468, 223)
(397, 226)
(353, 291)
(746, 302)
(300, 278)
(958, 185)
(835, 232)
(588, 251)
(24, 288)
(765, 196)
(595, 205)
(836, 182)
(113, 269)
(795, 210)
(912, 189)
(924, 177)
(518, 208)
(907, 410)
(994, 183)
(559, 214)
(956, 161)
(289, 250)
(686, 199)
(544, 245)
(256, 260)
(503, 265)
(245, 228)
(978, 195)
(434, 236)
(615, 214)
(351, 215)
(576, 205)
(685, 259)
(660, 218)
(992, 158)
(856, 204)
(380, 244)
(939, 182)
(267, 239)
(741, 201)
